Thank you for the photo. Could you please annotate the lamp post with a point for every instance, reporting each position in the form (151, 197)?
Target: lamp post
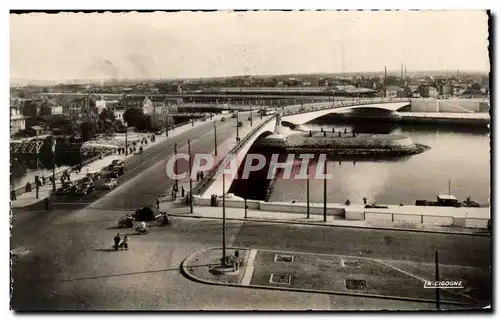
(223, 219)
(215, 137)
(190, 178)
(324, 193)
(251, 118)
(54, 141)
(166, 124)
(437, 281)
(307, 192)
(175, 166)
(237, 127)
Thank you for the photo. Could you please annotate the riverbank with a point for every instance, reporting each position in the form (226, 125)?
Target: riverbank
(353, 145)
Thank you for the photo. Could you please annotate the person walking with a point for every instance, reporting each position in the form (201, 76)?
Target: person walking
(117, 241)
(125, 243)
(182, 192)
(365, 200)
(157, 203)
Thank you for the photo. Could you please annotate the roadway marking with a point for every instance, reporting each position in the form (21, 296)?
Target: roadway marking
(247, 277)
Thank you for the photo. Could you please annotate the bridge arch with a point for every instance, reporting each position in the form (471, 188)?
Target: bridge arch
(390, 108)
(265, 130)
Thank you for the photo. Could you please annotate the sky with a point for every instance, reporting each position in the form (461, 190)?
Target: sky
(203, 44)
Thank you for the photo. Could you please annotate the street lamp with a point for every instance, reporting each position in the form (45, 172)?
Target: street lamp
(54, 141)
(215, 137)
(237, 127)
(190, 178)
(223, 219)
(175, 166)
(251, 118)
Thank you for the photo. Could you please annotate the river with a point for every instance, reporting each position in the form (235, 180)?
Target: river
(459, 160)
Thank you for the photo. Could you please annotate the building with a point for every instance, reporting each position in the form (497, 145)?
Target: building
(392, 91)
(100, 105)
(17, 119)
(119, 114)
(148, 106)
(428, 91)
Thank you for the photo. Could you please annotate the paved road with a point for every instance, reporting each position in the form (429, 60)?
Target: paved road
(148, 171)
(71, 266)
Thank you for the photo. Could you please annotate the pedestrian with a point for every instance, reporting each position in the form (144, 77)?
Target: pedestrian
(13, 195)
(365, 200)
(347, 202)
(197, 176)
(202, 175)
(158, 203)
(182, 191)
(125, 242)
(46, 200)
(43, 180)
(117, 241)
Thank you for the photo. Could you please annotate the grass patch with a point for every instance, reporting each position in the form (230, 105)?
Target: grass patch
(341, 274)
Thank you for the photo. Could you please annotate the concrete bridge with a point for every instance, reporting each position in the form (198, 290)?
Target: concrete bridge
(238, 156)
(297, 115)
(307, 115)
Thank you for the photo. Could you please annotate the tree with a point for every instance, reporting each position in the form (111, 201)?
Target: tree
(61, 123)
(87, 130)
(107, 114)
(133, 117)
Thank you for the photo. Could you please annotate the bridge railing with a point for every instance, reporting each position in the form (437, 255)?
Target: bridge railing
(348, 104)
(208, 179)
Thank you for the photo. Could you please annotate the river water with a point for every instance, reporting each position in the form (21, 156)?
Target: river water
(459, 159)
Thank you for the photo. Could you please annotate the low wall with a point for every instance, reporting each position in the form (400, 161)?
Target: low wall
(386, 216)
(356, 213)
(438, 220)
(407, 218)
(300, 208)
(476, 223)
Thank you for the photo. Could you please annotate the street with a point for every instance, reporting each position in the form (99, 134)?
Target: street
(71, 265)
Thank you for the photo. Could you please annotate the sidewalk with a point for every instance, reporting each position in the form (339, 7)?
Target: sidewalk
(223, 148)
(177, 209)
(29, 198)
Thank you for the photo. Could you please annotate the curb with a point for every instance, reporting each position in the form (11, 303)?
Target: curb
(187, 274)
(188, 215)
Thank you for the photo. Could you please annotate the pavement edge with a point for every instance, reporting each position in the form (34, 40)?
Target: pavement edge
(187, 274)
(189, 215)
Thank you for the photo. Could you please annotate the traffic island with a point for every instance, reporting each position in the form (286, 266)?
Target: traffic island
(207, 265)
(318, 273)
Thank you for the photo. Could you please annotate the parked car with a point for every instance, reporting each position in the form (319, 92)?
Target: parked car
(94, 176)
(234, 115)
(240, 124)
(116, 172)
(223, 119)
(110, 184)
(115, 163)
(66, 188)
(85, 188)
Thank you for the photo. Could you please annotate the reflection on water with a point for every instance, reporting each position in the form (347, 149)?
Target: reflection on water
(460, 155)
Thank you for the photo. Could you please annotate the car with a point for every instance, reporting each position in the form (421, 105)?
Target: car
(223, 119)
(116, 172)
(115, 163)
(66, 188)
(240, 124)
(85, 188)
(94, 176)
(234, 115)
(110, 184)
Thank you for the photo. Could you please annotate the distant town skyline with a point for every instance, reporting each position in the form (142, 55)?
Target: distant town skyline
(62, 47)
